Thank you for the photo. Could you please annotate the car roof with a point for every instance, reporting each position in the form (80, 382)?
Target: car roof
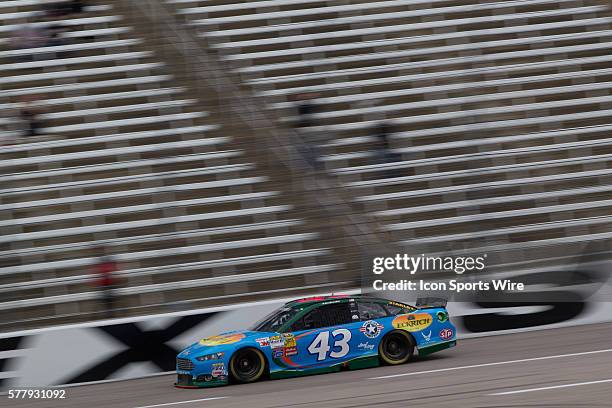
(307, 301)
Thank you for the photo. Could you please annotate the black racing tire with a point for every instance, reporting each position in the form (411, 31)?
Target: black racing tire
(397, 347)
(247, 365)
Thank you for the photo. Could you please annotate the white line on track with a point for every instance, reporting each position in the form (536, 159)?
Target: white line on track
(181, 402)
(553, 387)
(493, 364)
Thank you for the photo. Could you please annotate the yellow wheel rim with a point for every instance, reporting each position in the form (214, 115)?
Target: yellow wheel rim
(385, 358)
(256, 376)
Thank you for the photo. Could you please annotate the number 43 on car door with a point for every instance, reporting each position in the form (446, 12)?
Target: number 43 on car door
(321, 344)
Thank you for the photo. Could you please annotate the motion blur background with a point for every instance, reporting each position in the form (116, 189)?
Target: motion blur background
(167, 155)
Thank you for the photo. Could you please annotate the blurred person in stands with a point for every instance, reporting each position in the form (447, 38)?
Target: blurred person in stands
(382, 153)
(55, 32)
(56, 26)
(107, 282)
(64, 8)
(28, 35)
(382, 149)
(55, 14)
(76, 6)
(306, 108)
(36, 35)
(29, 113)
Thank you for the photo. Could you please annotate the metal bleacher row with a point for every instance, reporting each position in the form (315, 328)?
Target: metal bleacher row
(500, 110)
(130, 161)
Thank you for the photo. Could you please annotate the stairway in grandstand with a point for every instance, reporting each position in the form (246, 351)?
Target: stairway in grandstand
(129, 160)
(501, 110)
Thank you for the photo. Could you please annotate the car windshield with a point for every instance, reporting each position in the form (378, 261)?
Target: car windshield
(275, 320)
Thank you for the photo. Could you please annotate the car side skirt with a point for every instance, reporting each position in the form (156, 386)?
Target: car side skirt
(425, 350)
(354, 364)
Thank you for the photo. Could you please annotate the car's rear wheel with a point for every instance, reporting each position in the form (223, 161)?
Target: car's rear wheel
(397, 347)
(247, 365)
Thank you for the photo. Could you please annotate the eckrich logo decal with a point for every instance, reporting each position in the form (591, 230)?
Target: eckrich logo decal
(412, 322)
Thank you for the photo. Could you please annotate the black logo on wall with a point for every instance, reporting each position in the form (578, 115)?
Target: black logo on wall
(568, 301)
(142, 346)
(7, 344)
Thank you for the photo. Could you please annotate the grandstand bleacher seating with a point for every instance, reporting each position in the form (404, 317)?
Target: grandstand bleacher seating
(500, 113)
(130, 161)
(500, 109)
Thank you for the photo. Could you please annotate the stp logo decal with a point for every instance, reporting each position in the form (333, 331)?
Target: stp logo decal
(446, 334)
(371, 329)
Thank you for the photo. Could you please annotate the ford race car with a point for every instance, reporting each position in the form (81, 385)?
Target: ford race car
(317, 335)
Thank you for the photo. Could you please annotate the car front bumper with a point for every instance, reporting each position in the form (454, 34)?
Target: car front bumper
(191, 373)
(187, 380)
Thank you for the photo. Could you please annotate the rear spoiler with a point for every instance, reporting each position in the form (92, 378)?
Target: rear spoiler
(430, 302)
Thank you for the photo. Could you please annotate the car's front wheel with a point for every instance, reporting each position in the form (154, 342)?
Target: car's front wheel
(396, 347)
(247, 365)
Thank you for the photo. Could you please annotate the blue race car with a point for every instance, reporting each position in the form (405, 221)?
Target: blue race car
(318, 335)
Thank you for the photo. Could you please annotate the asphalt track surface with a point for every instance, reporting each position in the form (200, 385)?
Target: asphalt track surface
(557, 368)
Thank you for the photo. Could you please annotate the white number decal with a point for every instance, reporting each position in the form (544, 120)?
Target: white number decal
(320, 345)
(342, 343)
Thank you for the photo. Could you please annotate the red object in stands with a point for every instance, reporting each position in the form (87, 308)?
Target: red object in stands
(105, 271)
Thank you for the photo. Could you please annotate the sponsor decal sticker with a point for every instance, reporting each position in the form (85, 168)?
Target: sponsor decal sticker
(371, 329)
(442, 316)
(277, 353)
(222, 339)
(263, 341)
(446, 334)
(426, 337)
(412, 322)
(277, 341)
(288, 347)
(331, 302)
(218, 369)
(402, 305)
(365, 346)
(290, 351)
(289, 340)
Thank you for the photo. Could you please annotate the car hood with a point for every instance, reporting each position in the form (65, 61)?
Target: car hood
(222, 342)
